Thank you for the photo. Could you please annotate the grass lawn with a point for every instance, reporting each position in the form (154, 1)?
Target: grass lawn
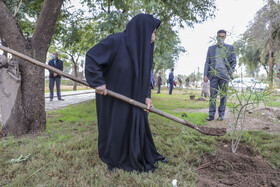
(66, 154)
(274, 101)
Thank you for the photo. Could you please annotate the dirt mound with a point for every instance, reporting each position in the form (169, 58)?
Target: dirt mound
(236, 169)
(214, 131)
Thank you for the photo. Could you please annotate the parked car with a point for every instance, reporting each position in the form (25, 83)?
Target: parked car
(248, 83)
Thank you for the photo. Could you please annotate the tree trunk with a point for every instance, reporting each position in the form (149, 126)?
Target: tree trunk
(75, 65)
(4, 44)
(76, 75)
(271, 45)
(270, 57)
(28, 113)
(271, 64)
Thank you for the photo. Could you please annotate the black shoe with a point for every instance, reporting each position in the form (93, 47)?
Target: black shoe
(220, 118)
(50, 99)
(61, 99)
(210, 118)
(164, 160)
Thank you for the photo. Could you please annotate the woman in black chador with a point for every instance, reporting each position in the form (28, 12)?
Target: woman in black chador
(122, 63)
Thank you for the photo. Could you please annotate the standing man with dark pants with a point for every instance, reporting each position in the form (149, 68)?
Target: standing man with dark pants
(219, 67)
(159, 82)
(171, 80)
(55, 78)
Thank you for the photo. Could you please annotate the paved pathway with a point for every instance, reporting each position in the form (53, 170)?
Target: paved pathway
(70, 97)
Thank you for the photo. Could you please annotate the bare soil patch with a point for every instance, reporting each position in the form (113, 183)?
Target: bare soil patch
(240, 169)
(262, 118)
(214, 131)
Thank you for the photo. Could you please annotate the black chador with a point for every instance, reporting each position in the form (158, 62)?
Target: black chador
(123, 62)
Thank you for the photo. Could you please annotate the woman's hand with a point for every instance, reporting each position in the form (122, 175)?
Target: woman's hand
(149, 104)
(101, 90)
(205, 79)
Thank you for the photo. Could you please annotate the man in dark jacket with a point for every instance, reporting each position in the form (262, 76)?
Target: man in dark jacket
(55, 78)
(171, 80)
(219, 67)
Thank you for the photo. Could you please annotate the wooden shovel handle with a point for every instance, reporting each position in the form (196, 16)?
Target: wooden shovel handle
(109, 92)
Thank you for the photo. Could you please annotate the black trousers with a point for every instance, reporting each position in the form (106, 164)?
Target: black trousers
(56, 81)
(217, 83)
(159, 85)
(171, 87)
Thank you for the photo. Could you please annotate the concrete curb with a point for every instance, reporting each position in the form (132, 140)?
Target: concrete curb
(71, 93)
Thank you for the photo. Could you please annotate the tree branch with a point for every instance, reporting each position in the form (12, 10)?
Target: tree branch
(102, 8)
(73, 60)
(72, 57)
(78, 57)
(9, 29)
(17, 8)
(109, 6)
(46, 23)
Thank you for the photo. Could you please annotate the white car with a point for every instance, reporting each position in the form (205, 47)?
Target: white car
(248, 83)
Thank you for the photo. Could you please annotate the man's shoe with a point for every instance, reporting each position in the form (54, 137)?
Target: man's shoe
(210, 118)
(61, 99)
(220, 118)
(50, 99)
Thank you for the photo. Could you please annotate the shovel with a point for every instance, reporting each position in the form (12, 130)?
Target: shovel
(203, 130)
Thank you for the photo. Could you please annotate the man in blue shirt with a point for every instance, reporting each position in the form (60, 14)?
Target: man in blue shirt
(219, 67)
(55, 78)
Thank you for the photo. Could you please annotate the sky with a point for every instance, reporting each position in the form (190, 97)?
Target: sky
(232, 15)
